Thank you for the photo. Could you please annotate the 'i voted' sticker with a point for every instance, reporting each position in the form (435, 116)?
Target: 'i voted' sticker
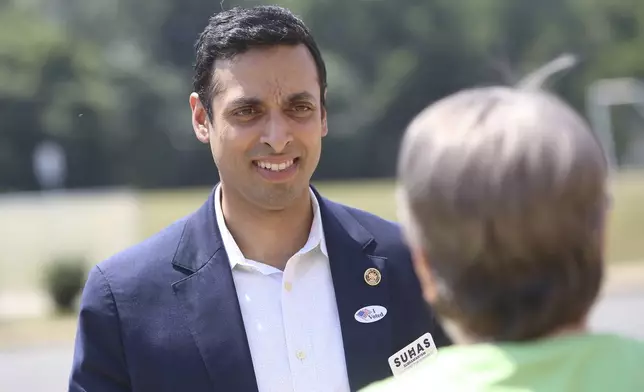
(410, 356)
(370, 314)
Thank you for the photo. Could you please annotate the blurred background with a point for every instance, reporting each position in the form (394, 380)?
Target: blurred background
(97, 150)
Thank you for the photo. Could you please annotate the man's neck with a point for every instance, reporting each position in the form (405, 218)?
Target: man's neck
(269, 237)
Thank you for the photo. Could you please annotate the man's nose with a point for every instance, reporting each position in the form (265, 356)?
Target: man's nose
(277, 133)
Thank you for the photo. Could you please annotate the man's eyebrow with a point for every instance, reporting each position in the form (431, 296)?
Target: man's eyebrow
(303, 96)
(254, 101)
(245, 101)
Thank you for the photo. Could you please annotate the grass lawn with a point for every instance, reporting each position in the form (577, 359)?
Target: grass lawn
(626, 224)
(31, 332)
(625, 240)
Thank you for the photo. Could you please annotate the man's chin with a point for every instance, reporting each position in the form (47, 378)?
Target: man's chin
(279, 197)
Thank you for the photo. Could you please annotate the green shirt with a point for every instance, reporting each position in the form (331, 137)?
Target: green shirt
(588, 363)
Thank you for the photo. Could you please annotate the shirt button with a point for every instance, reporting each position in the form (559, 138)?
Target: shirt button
(288, 286)
(301, 355)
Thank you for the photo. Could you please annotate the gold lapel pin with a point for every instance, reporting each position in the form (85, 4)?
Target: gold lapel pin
(372, 276)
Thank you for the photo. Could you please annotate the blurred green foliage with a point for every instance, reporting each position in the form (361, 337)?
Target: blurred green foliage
(110, 81)
(64, 280)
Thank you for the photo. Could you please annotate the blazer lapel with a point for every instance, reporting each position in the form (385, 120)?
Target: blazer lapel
(367, 346)
(210, 303)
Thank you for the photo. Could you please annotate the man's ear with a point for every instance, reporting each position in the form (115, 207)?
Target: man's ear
(325, 128)
(200, 120)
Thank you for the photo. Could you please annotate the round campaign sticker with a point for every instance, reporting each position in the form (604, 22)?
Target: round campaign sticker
(370, 314)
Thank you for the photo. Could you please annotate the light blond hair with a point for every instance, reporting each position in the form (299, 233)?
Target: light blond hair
(503, 191)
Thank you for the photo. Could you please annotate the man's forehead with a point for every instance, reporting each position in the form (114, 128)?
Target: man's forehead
(271, 72)
(268, 54)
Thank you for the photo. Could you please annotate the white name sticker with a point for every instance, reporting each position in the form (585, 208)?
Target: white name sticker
(370, 314)
(410, 356)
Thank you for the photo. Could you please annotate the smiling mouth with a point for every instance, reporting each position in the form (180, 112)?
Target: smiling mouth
(276, 166)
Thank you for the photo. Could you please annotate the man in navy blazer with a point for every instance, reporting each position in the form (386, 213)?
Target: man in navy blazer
(268, 286)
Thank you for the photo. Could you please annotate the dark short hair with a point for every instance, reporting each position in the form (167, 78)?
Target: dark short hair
(235, 31)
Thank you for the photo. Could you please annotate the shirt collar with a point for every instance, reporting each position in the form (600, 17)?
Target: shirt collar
(235, 256)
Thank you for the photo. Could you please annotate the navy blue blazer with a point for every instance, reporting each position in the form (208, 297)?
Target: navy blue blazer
(163, 315)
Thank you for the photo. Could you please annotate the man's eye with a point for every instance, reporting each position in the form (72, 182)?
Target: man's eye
(302, 108)
(245, 112)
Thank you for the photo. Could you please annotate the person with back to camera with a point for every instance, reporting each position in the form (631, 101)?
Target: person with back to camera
(503, 198)
(268, 286)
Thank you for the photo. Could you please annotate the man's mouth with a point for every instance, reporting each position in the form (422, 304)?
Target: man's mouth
(276, 166)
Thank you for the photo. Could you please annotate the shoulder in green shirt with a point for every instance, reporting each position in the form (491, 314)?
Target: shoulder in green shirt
(588, 363)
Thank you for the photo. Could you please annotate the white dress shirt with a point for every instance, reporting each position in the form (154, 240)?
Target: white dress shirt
(291, 317)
